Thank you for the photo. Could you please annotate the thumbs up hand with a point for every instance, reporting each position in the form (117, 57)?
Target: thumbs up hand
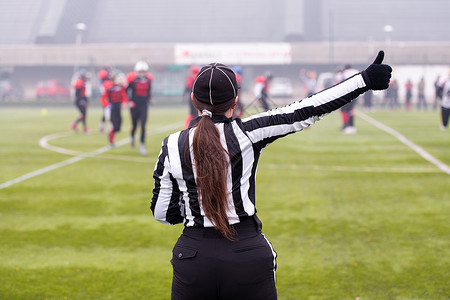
(377, 75)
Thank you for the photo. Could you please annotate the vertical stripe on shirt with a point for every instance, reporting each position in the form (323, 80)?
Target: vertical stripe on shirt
(193, 213)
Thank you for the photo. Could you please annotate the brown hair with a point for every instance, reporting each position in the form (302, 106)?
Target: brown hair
(211, 163)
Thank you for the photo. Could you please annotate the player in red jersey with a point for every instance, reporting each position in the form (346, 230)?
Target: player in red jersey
(105, 79)
(115, 96)
(193, 72)
(139, 88)
(81, 101)
(347, 111)
(261, 90)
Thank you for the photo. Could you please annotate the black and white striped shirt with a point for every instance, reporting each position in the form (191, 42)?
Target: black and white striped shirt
(175, 198)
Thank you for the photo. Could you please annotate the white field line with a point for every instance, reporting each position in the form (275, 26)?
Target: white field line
(444, 168)
(126, 158)
(78, 157)
(348, 169)
(43, 142)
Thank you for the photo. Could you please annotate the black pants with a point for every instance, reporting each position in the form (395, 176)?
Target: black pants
(139, 113)
(116, 116)
(263, 99)
(445, 113)
(347, 114)
(208, 266)
(81, 104)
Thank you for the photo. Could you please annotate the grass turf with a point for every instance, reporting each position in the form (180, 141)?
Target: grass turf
(349, 215)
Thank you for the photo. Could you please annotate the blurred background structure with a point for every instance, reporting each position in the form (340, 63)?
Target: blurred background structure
(52, 39)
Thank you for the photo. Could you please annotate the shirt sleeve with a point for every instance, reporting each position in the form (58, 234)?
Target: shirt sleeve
(266, 127)
(166, 201)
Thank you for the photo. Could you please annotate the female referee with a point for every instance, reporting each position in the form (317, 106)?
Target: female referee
(205, 178)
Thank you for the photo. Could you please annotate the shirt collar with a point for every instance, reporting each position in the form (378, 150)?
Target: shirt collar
(215, 119)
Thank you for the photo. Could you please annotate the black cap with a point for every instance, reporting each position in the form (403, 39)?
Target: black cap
(215, 83)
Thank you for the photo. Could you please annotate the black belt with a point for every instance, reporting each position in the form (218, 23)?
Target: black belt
(247, 226)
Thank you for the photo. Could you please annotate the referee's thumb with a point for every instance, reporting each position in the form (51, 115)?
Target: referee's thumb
(377, 75)
(379, 59)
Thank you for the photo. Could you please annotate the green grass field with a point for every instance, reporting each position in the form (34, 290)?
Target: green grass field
(349, 215)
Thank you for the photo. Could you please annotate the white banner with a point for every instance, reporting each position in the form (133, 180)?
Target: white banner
(245, 54)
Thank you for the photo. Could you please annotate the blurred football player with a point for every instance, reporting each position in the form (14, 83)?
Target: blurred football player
(115, 96)
(81, 101)
(347, 111)
(193, 72)
(445, 103)
(104, 76)
(239, 111)
(261, 89)
(139, 88)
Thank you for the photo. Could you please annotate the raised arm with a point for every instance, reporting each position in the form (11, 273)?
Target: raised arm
(268, 126)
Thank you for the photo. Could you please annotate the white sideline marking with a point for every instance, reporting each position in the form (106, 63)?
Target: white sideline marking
(404, 140)
(43, 143)
(349, 169)
(41, 171)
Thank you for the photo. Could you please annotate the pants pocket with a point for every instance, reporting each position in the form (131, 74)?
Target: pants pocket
(183, 263)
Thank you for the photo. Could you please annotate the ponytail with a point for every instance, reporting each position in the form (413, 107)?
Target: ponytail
(211, 163)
